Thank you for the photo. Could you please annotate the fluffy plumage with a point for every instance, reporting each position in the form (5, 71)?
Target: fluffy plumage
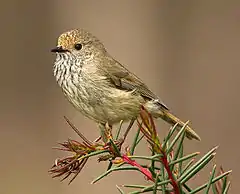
(99, 86)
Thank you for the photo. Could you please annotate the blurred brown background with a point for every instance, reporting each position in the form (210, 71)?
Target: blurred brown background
(186, 51)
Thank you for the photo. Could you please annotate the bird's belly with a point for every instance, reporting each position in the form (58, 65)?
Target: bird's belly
(106, 105)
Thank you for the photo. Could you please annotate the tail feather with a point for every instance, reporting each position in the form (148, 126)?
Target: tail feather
(170, 118)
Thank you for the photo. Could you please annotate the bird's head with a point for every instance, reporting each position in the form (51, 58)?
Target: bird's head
(78, 43)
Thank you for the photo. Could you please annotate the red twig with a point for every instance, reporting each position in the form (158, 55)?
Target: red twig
(145, 171)
(150, 132)
(170, 175)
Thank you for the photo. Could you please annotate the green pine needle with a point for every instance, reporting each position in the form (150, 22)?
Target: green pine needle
(119, 189)
(119, 130)
(115, 147)
(213, 181)
(197, 168)
(211, 178)
(163, 178)
(135, 186)
(112, 170)
(93, 154)
(180, 144)
(134, 144)
(187, 157)
(193, 167)
(169, 135)
(169, 149)
(227, 188)
(156, 186)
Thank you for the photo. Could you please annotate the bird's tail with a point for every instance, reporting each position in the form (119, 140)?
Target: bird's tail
(170, 118)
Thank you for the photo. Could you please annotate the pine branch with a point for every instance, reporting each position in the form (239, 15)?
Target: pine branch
(168, 171)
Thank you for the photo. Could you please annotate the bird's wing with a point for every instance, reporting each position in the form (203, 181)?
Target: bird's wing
(124, 80)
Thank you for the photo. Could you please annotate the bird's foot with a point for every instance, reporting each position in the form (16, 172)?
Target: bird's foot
(106, 132)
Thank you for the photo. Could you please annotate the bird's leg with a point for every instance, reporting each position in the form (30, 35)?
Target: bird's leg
(106, 131)
(106, 136)
(102, 132)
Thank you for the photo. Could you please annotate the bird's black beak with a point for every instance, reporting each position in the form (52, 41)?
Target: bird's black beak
(58, 49)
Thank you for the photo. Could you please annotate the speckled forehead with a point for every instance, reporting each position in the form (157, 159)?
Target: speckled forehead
(68, 39)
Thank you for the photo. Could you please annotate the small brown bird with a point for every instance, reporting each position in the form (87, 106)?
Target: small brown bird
(100, 87)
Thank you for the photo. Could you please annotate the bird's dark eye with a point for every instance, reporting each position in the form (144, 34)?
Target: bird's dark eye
(78, 46)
